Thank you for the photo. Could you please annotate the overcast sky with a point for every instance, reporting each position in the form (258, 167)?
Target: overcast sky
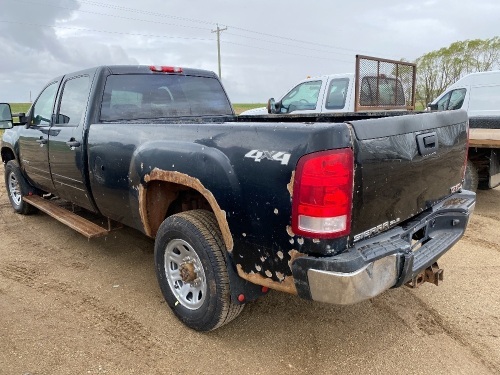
(267, 47)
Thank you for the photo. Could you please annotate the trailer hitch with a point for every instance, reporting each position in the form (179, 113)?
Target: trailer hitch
(432, 274)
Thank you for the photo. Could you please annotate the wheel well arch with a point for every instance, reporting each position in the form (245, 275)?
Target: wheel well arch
(7, 154)
(167, 192)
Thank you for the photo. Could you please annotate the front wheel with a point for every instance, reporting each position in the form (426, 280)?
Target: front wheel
(191, 269)
(17, 188)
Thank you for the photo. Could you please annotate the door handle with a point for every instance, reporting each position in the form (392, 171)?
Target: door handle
(42, 141)
(72, 143)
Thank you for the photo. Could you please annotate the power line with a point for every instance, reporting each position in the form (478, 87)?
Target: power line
(290, 45)
(165, 36)
(140, 11)
(156, 14)
(289, 53)
(104, 31)
(112, 15)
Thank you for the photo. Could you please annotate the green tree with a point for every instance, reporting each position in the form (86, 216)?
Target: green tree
(437, 70)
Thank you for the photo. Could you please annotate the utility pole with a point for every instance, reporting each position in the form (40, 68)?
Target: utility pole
(218, 31)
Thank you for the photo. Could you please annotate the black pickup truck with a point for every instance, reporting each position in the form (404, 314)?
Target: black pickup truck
(332, 208)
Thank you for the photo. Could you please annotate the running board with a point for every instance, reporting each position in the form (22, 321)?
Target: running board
(72, 220)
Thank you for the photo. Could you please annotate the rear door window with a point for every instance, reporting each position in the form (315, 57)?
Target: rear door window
(337, 93)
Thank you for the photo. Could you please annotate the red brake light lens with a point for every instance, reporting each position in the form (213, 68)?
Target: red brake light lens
(165, 69)
(322, 194)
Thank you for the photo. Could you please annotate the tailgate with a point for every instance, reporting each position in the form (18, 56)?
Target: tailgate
(404, 165)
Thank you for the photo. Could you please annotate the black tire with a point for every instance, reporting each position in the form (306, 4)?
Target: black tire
(195, 236)
(471, 179)
(18, 187)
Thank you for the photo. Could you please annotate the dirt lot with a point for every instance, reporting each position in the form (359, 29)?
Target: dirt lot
(72, 306)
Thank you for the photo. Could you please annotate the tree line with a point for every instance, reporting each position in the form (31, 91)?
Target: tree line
(437, 70)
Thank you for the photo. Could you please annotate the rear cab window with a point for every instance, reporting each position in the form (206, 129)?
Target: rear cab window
(381, 91)
(148, 97)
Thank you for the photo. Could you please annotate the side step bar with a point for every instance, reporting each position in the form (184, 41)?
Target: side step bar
(72, 220)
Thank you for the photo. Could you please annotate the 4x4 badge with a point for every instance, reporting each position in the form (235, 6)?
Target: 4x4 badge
(258, 155)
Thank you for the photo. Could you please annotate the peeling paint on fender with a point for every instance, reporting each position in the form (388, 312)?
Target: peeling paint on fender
(183, 179)
(289, 186)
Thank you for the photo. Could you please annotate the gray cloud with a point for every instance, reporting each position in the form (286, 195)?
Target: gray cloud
(255, 65)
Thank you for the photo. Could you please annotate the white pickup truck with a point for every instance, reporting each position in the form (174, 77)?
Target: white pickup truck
(337, 93)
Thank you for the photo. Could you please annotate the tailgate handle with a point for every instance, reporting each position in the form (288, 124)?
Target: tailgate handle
(427, 143)
(430, 141)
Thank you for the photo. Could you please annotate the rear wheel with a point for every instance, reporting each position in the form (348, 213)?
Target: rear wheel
(191, 269)
(17, 188)
(471, 179)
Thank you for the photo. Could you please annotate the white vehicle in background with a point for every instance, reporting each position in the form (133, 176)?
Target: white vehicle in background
(348, 92)
(479, 95)
(304, 97)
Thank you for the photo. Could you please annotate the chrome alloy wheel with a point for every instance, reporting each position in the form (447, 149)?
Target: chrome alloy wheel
(185, 274)
(14, 189)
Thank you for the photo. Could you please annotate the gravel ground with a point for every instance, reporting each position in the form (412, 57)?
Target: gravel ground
(72, 306)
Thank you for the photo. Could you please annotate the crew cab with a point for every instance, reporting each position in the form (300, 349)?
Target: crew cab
(347, 92)
(335, 209)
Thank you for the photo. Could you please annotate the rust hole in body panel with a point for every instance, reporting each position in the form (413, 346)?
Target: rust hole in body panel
(169, 192)
(287, 285)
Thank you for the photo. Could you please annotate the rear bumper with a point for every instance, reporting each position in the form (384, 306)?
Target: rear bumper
(386, 260)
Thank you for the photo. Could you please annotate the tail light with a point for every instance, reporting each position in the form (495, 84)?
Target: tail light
(322, 194)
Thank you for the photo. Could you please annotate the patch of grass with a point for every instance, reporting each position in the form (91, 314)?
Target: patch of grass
(240, 107)
(19, 107)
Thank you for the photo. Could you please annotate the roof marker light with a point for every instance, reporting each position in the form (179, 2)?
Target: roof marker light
(165, 69)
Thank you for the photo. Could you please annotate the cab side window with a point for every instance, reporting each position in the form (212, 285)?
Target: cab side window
(73, 101)
(457, 99)
(337, 93)
(453, 100)
(442, 103)
(42, 110)
(302, 97)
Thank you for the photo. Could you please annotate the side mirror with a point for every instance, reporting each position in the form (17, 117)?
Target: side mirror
(432, 107)
(5, 116)
(271, 106)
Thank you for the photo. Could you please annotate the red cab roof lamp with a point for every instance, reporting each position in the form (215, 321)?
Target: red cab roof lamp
(165, 69)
